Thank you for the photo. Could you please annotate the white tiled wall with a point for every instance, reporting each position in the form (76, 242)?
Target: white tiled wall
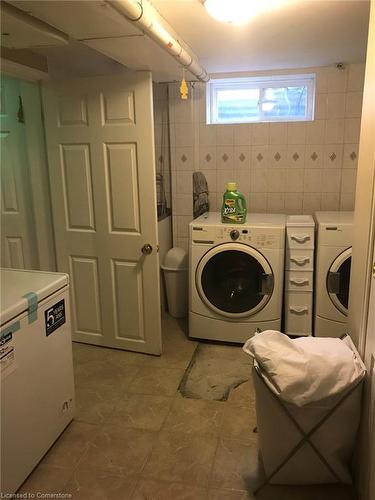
(295, 167)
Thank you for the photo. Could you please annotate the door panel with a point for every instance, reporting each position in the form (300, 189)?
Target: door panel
(9, 200)
(77, 184)
(85, 289)
(118, 108)
(122, 181)
(72, 110)
(18, 245)
(129, 320)
(15, 253)
(101, 160)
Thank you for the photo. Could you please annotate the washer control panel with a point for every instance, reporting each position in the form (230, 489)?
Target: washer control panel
(256, 237)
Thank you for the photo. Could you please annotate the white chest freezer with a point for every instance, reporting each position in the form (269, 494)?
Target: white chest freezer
(37, 385)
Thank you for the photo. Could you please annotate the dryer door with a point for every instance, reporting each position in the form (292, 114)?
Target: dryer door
(338, 280)
(234, 280)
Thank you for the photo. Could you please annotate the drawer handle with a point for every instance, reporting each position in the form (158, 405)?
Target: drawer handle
(299, 310)
(300, 261)
(300, 239)
(299, 282)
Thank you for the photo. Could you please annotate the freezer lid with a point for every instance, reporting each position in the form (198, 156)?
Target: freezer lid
(16, 283)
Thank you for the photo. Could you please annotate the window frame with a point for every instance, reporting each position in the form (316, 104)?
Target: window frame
(261, 83)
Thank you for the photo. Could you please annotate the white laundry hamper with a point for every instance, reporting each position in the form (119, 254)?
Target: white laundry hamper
(310, 444)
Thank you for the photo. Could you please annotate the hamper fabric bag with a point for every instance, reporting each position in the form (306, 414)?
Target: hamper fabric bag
(313, 441)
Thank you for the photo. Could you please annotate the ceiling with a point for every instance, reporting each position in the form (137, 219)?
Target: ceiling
(98, 27)
(17, 34)
(299, 34)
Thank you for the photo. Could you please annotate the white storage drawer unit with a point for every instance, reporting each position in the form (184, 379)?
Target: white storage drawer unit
(299, 274)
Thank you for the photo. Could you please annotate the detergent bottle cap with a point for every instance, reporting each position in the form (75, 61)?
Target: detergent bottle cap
(231, 186)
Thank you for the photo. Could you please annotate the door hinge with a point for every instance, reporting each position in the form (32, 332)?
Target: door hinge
(41, 112)
(20, 113)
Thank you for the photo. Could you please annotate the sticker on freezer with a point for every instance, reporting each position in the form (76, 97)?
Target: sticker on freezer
(54, 317)
(7, 360)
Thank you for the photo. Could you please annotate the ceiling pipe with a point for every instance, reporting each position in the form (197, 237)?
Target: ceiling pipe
(147, 19)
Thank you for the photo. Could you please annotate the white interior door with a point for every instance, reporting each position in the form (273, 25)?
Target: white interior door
(102, 172)
(18, 248)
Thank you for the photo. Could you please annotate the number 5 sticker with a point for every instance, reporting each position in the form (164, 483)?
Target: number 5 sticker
(50, 319)
(54, 317)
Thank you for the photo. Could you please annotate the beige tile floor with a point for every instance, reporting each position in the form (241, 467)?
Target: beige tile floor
(135, 438)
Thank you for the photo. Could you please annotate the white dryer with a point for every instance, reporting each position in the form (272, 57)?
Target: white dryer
(332, 272)
(236, 276)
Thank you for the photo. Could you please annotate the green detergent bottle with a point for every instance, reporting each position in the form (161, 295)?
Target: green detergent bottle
(234, 205)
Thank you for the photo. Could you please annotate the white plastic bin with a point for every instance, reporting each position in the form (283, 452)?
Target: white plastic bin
(175, 269)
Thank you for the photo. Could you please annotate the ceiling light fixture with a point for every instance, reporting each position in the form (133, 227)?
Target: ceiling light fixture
(237, 11)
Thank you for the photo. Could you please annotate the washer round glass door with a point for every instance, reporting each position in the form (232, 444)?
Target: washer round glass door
(338, 280)
(234, 280)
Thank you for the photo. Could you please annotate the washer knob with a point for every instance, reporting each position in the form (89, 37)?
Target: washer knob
(234, 234)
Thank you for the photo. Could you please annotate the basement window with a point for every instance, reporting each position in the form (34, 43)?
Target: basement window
(281, 98)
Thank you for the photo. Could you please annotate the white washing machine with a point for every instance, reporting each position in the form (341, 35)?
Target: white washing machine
(332, 272)
(236, 276)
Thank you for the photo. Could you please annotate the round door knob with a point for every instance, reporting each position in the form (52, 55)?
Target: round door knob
(234, 234)
(147, 249)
